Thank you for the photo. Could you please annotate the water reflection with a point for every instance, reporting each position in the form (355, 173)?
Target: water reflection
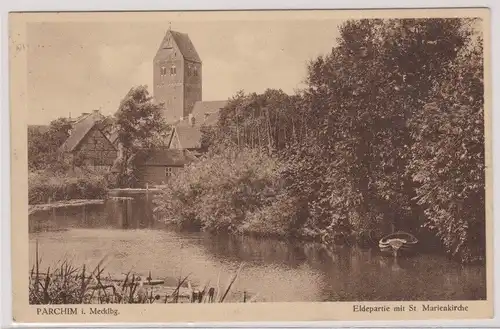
(116, 212)
(125, 230)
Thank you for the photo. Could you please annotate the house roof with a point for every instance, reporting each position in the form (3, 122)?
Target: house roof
(184, 44)
(79, 118)
(168, 157)
(80, 129)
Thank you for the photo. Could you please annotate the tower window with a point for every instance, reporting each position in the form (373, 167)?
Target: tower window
(168, 171)
(163, 70)
(173, 70)
(195, 71)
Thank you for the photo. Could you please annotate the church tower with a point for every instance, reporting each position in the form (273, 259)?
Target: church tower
(177, 75)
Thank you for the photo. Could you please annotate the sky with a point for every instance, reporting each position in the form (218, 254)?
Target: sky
(76, 67)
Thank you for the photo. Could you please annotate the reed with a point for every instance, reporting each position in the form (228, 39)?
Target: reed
(233, 279)
(69, 284)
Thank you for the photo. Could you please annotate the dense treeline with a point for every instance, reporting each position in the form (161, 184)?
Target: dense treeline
(43, 144)
(45, 186)
(53, 177)
(388, 134)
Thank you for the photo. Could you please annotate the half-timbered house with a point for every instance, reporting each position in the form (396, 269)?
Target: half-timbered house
(87, 144)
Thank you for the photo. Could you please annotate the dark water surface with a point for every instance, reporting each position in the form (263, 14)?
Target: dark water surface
(275, 270)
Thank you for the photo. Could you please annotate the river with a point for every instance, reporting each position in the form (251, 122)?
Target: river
(273, 270)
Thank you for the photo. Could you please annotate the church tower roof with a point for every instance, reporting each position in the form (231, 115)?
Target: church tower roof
(183, 43)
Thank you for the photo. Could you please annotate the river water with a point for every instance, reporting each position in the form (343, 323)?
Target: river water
(273, 270)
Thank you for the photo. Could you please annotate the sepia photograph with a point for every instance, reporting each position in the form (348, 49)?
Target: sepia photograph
(233, 158)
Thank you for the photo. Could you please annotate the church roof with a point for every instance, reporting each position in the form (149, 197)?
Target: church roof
(184, 44)
(204, 109)
(204, 113)
(189, 136)
(186, 47)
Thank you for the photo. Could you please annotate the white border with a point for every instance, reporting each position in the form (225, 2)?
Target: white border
(125, 5)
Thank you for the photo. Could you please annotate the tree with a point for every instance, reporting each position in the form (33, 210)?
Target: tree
(364, 95)
(449, 160)
(392, 111)
(140, 126)
(43, 144)
(269, 121)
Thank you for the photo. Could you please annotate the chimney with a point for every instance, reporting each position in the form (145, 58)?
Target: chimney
(191, 119)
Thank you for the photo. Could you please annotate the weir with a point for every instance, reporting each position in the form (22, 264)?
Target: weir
(130, 192)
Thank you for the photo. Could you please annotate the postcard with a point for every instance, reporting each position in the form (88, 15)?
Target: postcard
(307, 165)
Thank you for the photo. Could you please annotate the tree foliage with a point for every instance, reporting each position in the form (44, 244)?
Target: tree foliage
(268, 121)
(364, 95)
(139, 119)
(388, 133)
(449, 159)
(228, 191)
(140, 126)
(43, 144)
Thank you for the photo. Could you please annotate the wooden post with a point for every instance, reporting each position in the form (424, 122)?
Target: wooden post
(53, 209)
(128, 212)
(117, 211)
(123, 203)
(147, 208)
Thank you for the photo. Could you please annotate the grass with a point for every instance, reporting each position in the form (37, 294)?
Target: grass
(45, 186)
(68, 284)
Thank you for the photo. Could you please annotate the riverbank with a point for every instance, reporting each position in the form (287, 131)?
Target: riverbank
(46, 186)
(242, 190)
(64, 210)
(275, 270)
(69, 284)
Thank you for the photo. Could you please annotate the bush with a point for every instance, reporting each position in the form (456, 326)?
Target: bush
(45, 186)
(275, 219)
(228, 191)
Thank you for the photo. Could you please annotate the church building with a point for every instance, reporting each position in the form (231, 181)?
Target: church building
(177, 76)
